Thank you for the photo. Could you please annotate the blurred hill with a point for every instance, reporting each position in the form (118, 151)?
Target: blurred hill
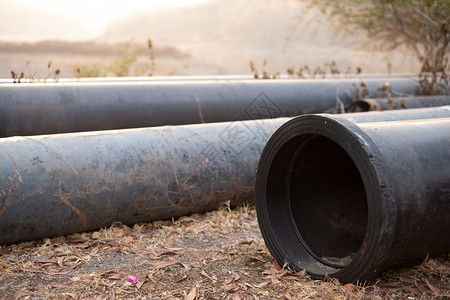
(215, 37)
(230, 33)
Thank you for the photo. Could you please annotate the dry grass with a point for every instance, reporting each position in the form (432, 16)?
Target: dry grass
(217, 255)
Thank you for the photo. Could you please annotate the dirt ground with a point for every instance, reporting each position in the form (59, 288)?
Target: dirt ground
(216, 255)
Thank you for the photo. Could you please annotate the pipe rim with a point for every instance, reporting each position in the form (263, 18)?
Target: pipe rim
(369, 163)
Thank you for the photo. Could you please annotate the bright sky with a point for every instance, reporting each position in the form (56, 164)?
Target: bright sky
(96, 14)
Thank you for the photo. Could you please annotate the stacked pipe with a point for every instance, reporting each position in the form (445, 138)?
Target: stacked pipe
(59, 184)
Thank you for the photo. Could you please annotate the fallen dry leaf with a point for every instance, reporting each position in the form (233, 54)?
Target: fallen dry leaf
(288, 277)
(49, 261)
(60, 286)
(230, 280)
(60, 261)
(139, 284)
(226, 253)
(251, 260)
(351, 287)
(126, 241)
(162, 264)
(43, 259)
(411, 290)
(27, 245)
(276, 265)
(287, 295)
(274, 280)
(181, 250)
(407, 280)
(23, 293)
(230, 236)
(206, 275)
(236, 296)
(192, 294)
(75, 296)
(435, 290)
(83, 246)
(267, 272)
(153, 251)
(185, 266)
(115, 277)
(236, 276)
(420, 286)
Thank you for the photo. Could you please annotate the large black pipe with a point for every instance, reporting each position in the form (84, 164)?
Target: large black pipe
(61, 184)
(347, 200)
(33, 109)
(399, 103)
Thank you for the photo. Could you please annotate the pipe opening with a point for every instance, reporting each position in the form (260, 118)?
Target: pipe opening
(327, 201)
(360, 106)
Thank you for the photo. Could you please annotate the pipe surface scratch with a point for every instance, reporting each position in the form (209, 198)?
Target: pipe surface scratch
(19, 179)
(199, 109)
(76, 210)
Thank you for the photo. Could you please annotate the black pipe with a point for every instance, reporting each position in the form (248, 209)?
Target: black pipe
(399, 114)
(33, 109)
(347, 200)
(61, 184)
(398, 103)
